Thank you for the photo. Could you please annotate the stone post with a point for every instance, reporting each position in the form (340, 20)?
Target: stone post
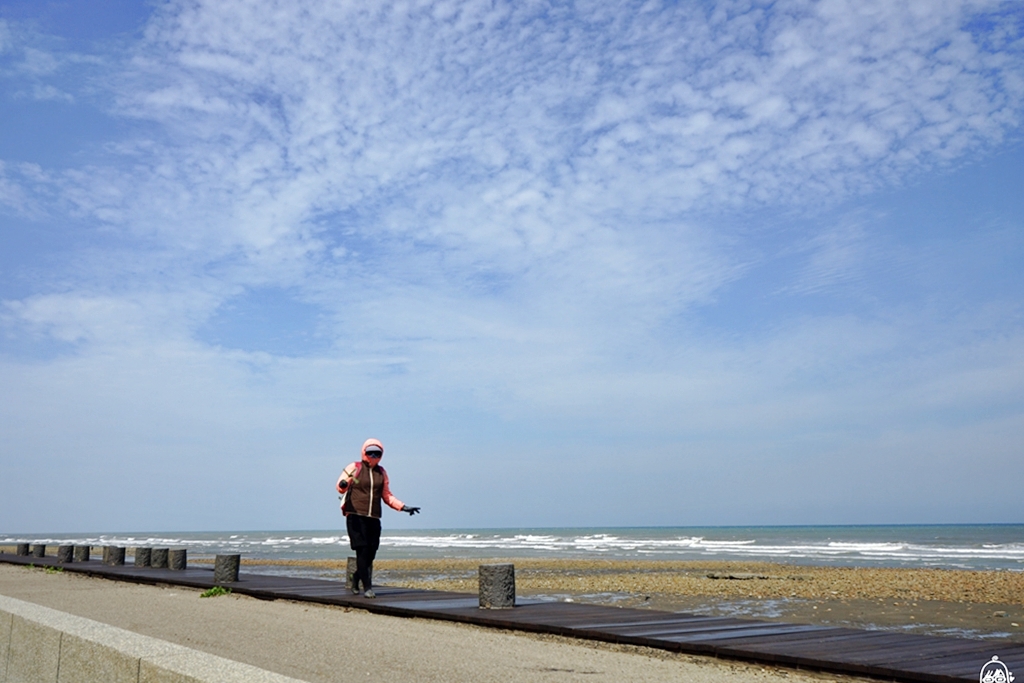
(39, 550)
(158, 559)
(113, 556)
(225, 568)
(22, 549)
(497, 586)
(143, 557)
(65, 553)
(177, 559)
(82, 553)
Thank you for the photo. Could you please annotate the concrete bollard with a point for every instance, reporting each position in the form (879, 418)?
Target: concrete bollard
(350, 571)
(497, 586)
(82, 553)
(39, 550)
(177, 559)
(113, 556)
(158, 558)
(225, 568)
(143, 557)
(22, 549)
(65, 553)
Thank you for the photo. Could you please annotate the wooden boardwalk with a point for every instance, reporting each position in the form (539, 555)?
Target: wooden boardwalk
(888, 655)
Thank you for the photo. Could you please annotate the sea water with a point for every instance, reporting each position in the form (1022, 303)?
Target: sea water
(989, 546)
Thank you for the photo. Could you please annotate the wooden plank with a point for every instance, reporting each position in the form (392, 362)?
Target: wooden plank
(725, 624)
(337, 588)
(832, 658)
(909, 652)
(430, 605)
(286, 588)
(827, 664)
(837, 661)
(598, 622)
(826, 635)
(964, 664)
(737, 633)
(552, 613)
(420, 598)
(898, 665)
(653, 619)
(851, 640)
(795, 635)
(896, 661)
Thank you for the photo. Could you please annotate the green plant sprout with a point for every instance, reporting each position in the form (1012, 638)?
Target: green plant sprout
(215, 591)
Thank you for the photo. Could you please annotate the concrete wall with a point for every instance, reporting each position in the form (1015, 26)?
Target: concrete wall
(42, 645)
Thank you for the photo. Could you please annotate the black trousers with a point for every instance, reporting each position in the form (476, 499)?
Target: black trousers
(364, 538)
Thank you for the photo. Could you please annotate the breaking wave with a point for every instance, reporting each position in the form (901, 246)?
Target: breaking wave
(968, 547)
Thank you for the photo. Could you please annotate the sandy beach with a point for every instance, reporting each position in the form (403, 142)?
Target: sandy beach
(973, 604)
(327, 644)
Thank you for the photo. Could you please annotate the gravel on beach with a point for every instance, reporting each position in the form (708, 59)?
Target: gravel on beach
(717, 579)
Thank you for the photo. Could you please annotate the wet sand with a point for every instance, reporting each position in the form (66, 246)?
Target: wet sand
(968, 604)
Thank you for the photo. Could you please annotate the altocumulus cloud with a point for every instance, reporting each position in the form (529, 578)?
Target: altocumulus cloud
(516, 232)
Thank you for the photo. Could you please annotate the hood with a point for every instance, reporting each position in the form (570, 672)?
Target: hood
(367, 444)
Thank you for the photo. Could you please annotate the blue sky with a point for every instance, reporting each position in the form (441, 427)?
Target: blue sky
(583, 263)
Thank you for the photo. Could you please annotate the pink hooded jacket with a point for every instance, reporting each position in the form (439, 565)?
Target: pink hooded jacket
(364, 496)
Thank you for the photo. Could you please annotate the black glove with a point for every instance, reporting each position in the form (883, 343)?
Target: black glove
(410, 510)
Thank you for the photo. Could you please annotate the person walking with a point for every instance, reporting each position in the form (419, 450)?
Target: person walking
(363, 485)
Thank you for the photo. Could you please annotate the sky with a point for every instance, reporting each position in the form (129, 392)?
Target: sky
(574, 263)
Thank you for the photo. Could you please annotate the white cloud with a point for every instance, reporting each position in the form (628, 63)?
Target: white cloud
(510, 216)
(11, 195)
(647, 115)
(548, 164)
(49, 92)
(103, 320)
(38, 62)
(6, 40)
(19, 185)
(35, 68)
(560, 152)
(840, 257)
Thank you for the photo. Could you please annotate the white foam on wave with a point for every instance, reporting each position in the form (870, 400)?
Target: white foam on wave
(559, 543)
(605, 543)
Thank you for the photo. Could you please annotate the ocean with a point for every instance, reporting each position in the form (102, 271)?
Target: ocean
(984, 546)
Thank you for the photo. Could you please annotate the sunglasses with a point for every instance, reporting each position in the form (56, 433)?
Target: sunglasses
(374, 454)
